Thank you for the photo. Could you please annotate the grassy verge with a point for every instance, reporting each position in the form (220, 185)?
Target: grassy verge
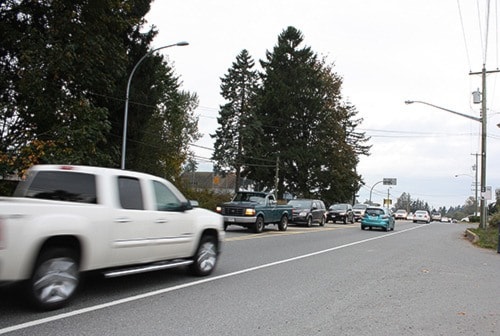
(488, 238)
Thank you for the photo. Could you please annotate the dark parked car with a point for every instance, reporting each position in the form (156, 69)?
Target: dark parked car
(340, 212)
(308, 211)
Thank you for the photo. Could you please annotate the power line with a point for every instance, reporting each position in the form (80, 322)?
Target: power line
(463, 34)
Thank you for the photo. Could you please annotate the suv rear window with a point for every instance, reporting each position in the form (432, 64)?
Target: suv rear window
(60, 186)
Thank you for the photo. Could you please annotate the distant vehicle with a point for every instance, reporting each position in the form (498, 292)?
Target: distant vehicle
(421, 216)
(359, 211)
(340, 212)
(436, 216)
(308, 212)
(445, 219)
(378, 217)
(410, 216)
(401, 214)
(465, 219)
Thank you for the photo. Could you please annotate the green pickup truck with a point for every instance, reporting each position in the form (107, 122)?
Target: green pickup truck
(254, 210)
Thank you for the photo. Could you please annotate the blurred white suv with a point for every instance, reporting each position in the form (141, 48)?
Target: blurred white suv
(359, 211)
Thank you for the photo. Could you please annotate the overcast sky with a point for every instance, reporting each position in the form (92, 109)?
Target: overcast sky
(387, 52)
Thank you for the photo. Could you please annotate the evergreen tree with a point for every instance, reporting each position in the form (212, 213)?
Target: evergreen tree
(306, 124)
(239, 129)
(404, 202)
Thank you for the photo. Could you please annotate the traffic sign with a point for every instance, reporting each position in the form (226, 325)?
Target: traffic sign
(390, 181)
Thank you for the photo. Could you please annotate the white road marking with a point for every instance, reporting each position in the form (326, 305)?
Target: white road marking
(190, 284)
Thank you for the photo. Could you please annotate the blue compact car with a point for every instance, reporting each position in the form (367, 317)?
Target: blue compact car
(378, 217)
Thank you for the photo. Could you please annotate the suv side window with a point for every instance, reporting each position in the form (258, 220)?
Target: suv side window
(130, 192)
(60, 186)
(165, 198)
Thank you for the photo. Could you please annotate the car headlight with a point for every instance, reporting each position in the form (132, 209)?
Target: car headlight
(249, 212)
(303, 214)
(218, 209)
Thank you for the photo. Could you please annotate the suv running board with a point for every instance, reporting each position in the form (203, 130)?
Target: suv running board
(147, 268)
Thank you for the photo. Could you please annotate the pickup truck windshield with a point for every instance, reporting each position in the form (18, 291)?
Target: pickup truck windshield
(249, 197)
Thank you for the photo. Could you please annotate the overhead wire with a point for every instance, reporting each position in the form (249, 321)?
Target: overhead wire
(463, 34)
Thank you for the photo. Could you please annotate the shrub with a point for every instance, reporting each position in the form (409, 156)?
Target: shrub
(7, 187)
(494, 220)
(474, 219)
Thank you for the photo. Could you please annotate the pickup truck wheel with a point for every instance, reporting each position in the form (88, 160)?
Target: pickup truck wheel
(205, 258)
(283, 224)
(55, 279)
(259, 225)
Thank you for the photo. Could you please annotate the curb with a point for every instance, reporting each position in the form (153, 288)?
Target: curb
(471, 236)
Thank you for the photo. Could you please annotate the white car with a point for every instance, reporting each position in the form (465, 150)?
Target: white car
(421, 216)
(401, 214)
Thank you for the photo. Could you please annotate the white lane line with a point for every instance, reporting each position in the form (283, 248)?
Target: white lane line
(190, 284)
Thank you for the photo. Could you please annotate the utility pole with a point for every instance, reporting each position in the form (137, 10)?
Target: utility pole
(276, 177)
(483, 118)
(476, 204)
(388, 198)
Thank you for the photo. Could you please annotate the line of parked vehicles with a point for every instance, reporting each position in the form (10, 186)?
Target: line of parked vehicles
(255, 210)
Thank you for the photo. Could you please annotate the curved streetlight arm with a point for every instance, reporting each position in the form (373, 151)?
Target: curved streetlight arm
(444, 109)
(125, 118)
(372, 190)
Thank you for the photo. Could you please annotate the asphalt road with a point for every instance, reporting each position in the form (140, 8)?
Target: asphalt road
(338, 280)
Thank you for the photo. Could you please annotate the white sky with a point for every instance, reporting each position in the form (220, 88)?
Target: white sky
(387, 52)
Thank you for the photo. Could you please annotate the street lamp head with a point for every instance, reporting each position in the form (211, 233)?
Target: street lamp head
(182, 44)
(409, 102)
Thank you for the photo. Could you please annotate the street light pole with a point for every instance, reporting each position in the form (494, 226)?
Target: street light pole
(372, 190)
(125, 118)
(482, 120)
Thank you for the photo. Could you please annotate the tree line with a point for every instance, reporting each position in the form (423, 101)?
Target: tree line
(64, 69)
